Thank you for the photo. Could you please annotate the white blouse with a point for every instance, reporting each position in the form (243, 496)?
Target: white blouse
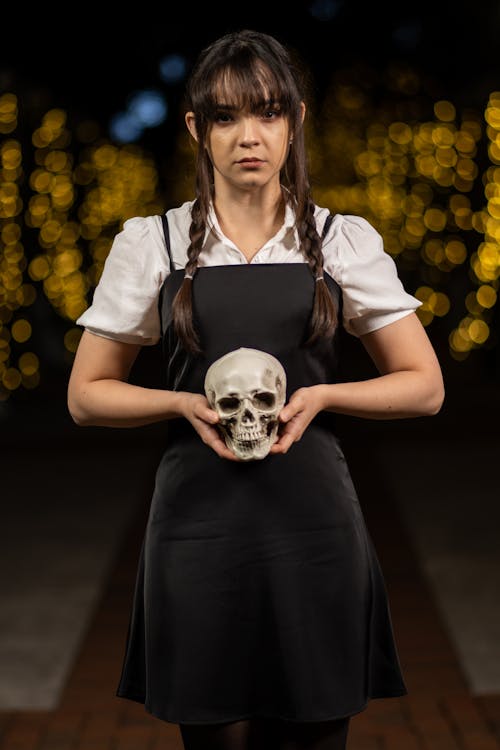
(125, 303)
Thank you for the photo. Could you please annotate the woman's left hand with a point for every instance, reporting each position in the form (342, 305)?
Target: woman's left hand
(302, 407)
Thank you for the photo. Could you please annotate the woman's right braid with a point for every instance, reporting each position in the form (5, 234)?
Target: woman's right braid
(182, 305)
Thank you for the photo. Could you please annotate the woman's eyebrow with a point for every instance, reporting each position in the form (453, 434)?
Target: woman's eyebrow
(259, 105)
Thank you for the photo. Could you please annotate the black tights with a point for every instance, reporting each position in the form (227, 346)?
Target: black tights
(266, 734)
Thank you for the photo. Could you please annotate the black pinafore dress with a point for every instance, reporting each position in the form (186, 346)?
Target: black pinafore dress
(258, 590)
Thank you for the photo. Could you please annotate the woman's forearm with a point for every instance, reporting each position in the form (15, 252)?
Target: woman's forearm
(406, 393)
(115, 403)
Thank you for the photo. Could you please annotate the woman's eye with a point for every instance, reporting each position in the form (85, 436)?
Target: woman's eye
(222, 117)
(271, 114)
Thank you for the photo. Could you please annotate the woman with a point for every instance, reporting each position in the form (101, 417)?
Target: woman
(260, 616)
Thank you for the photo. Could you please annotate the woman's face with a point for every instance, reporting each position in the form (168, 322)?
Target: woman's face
(247, 149)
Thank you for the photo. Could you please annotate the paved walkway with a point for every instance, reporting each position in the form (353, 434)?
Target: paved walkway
(440, 712)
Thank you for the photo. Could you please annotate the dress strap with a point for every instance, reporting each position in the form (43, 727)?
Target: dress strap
(327, 225)
(166, 235)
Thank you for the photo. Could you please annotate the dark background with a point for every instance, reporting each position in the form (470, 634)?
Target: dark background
(428, 486)
(89, 63)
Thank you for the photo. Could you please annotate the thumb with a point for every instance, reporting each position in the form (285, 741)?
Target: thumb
(284, 415)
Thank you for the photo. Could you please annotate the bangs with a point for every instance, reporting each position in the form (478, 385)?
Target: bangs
(244, 83)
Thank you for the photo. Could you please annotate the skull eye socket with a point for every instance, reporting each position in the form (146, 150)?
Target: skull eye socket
(229, 404)
(264, 400)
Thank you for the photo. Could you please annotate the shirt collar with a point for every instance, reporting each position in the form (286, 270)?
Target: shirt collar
(213, 225)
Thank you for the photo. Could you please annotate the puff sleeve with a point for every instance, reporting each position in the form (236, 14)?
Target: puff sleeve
(125, 302)
(372, 293)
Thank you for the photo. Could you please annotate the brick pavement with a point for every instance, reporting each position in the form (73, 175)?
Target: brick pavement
(438, 714)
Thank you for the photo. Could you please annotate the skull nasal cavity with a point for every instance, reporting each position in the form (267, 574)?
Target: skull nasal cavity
(248, 416)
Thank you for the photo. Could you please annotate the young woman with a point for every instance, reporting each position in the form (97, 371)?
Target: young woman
(260, 617)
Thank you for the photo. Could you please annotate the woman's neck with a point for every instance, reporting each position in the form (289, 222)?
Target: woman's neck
(250, 221)
(243, 212)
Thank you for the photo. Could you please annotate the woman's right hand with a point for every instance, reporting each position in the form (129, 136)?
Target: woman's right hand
(196, 409)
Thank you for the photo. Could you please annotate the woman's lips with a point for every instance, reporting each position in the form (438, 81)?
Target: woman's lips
(250, 162)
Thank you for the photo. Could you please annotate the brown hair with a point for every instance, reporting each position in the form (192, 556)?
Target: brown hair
(251, 68)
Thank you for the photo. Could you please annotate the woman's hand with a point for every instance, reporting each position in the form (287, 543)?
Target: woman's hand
(302, 407)
(196, 409)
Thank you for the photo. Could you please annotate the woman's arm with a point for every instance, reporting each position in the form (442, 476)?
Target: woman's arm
(98, 394)
(410, 382)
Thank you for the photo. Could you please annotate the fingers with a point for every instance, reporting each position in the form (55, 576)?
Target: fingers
(294, 406)
(283, 444)
(212, 438)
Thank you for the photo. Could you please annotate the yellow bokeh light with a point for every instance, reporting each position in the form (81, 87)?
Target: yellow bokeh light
(466, 168)
(425, 165)
(8, 109)
(486, 296)
(494, 152)
(423, 293)
(42, 137)
(433, 253)
(463, 218)
(42, 181)
(415, 227)
(425, 316)
(50, 232)
(11, 378)
(66, 262)
(443, 135)
(455, 251)
(368, 163)
(55, 119)
(21, 330)
(492, 115)
(465, 143)
(26, 295)
(105, 157)
(472, 304)
(10, 154)
(72, 339)
(400, 133)
(57, 161)
(478, 331)
(10, 233)
(439, 303)
(435, 219)
(31, 381)
(28, 363)
(444, 176)
(444, 110)
(446, 157)
(39, 268)
(493, 195)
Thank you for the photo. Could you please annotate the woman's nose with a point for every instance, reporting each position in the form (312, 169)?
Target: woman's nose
(249, 131)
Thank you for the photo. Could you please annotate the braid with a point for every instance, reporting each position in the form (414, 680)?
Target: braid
(324, 317)
(182, 305)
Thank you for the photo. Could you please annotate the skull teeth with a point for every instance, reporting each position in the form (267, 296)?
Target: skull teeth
(249, 439)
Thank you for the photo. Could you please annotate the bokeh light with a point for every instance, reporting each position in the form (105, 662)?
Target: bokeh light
(57, 222)
(173, 68)
(425, 173)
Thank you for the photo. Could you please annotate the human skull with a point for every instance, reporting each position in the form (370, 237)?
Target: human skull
(247, 389)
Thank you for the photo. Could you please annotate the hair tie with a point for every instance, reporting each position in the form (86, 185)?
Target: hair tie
(318, 278)
(188, 276)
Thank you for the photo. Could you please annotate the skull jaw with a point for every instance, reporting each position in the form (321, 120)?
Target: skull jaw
(251, 450)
